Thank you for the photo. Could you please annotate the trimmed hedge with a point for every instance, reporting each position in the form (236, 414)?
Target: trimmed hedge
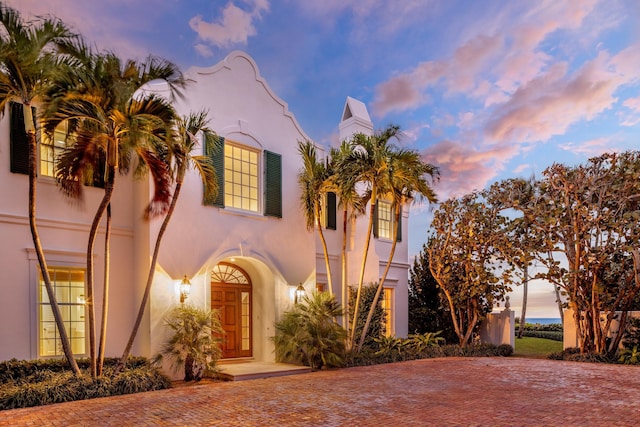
(369, 356)
(550, 335)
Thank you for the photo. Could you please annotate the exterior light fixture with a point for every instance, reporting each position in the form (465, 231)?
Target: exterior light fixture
(185, 289)
(299, 293)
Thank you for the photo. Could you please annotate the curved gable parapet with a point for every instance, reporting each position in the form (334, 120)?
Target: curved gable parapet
(237, 60)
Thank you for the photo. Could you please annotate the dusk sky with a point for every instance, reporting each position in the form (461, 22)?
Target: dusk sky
(485, 90)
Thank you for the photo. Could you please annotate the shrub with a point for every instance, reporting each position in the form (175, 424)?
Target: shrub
(376, 328)
(550, 335)
(632, 334)
(629, 356)
(193, 345)
(309, 335)
(47, 386)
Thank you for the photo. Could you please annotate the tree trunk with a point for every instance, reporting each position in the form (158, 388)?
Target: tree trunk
(362, 269)
(325, 251)
(345, 285)
(525, 285)
(105, 293)
(44, 270)
(93, 232)
(372, 309)
(152, 270)
(559, 302)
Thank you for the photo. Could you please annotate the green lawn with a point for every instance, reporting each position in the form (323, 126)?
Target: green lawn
(538, 348)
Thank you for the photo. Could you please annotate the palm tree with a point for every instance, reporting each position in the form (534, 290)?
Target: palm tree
(368, 164)
(111, 123)
(314, 180)
(407, 180)
(352, 205)
(180, 146)
(27, 63)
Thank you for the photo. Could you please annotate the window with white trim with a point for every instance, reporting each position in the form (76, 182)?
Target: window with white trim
(69, 287)
(385, 219)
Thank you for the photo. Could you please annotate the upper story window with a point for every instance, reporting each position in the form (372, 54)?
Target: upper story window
(248, 179)
(328, 214)
(49, 150)
(240, 177)
(69, 287)
(52, 148)
(385, 219)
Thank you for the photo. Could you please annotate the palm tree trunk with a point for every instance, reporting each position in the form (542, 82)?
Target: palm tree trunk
(326, 253)
(105, 293)
(152, 270)
(362, 269)
(372, 309)
(345, 293)
(55, 308)
(93, 232)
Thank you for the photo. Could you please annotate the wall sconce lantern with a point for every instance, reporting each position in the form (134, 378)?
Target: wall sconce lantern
(299, 293)
(185, 289)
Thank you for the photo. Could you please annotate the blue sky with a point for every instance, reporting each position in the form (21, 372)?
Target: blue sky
(485, 90)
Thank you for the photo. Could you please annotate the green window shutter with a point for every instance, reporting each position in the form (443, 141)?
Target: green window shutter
(331, 211)
(375, 221)
(399, 236)
(272, 184)
(19, 143)
(217, 158)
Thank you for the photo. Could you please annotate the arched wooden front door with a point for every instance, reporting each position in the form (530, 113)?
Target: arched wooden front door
(231, 294)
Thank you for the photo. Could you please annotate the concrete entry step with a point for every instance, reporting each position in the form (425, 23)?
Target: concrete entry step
(255, 370)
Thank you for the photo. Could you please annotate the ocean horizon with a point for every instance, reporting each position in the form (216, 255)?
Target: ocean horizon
(543, 320)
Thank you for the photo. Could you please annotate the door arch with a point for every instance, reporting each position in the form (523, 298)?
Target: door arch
(231, 294)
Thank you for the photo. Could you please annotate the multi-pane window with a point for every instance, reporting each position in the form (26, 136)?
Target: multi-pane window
(387, 305)
(52, 148)
(385, 219)
(69, 287)
(240, 177)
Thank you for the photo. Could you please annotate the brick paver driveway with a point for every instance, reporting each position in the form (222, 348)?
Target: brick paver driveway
(449, 391)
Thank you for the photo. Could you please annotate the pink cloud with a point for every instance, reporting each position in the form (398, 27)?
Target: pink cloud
(493, 61)
(464, 167)
(550, 103)
(590, 148)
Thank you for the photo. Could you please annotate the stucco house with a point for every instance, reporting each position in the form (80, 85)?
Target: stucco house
(245, 252)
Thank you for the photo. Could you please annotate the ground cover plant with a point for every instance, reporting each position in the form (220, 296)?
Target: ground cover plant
(43, 382)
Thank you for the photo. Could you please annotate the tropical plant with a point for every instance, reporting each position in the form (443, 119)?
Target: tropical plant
(112, 120)
(391, 346)
(587, 218)
(180, 145)
(309, 335)
(353, 205)
(420, 342)
(465, 261)
(314, 181)
(367, 165)
(193, 345)
(406, 181)
(28, 61)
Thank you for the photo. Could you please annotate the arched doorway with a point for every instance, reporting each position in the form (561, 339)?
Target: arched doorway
(231, 294)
